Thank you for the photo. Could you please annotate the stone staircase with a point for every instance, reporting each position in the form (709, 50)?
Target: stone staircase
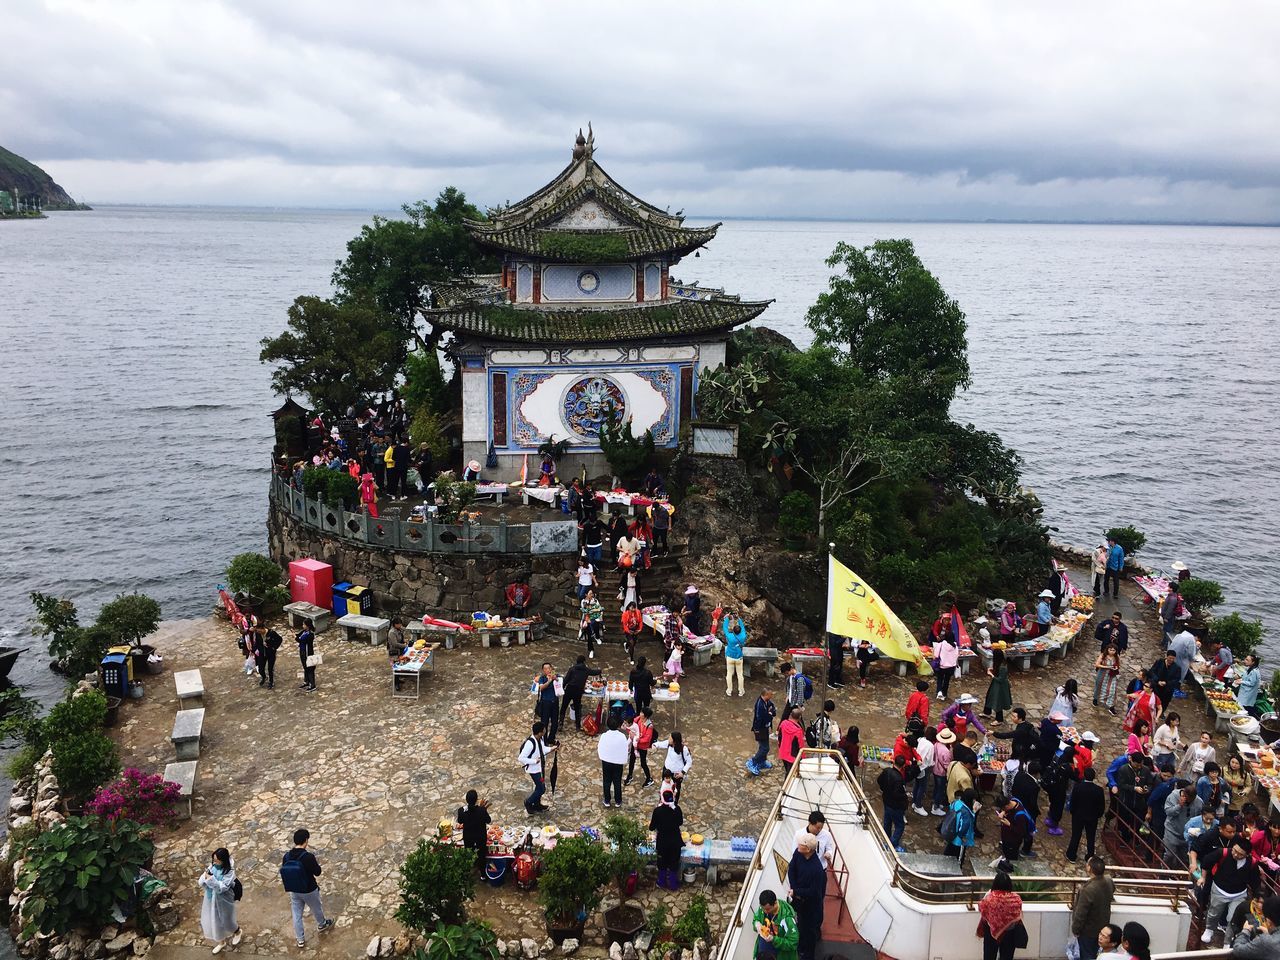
(662, 583)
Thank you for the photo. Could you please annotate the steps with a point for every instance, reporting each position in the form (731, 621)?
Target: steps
(662, 583)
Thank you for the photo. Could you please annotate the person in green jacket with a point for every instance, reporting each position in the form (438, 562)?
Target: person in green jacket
(999, 693)
(777, 932)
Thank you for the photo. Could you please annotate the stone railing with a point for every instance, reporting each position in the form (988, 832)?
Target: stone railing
(393, 533)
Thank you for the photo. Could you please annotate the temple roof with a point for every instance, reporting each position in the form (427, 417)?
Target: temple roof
(540, 324)
(584, 215)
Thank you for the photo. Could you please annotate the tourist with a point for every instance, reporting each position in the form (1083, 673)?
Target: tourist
(851, 748)
(1099, 565)
(960, 772)
(631, 587)
(807, 877)
(518, 594)
(642, 683)
(613, 749)
(593, 540)
(632, 624)
(306, 650)
(1166, 678)
(1246, 912)
(1010, 622)
(218, 906)
(1185, 647)
(947, 654)
(1248, 820)
(1001, 926)
(963, 825)
(1229, 874)
(1239, 783)
(592, 621)
(735, 638)
(1204, 834)
(1113, 632)
(1143, 705)
(1109, 937)
(475, 820)
(692, 612)
(1056, 780)
(533, 757)
(574, 686)
(1106, 677)
(1139, 738)
(652, 484)
(268, 644)
(791, 738)
(298, 872)
(1198, 756)
(1133, 784)
(1026, 789)
(926, 746)
(665, 822)
(893, 793)
(678, 762)
(1266, 847)
(369, 495)
(835, 661)
(1092, 909)
(1169, 607)
(674, 667)
(775, 925)
(1249, 685)
(959, 716)
(999, 693)
(794, 683)
(865, 655)
(400, 454)
(761, 726)
(1017, 828)
(1024, 735)
(628, 551)
(660, 520)
(424, 463)
(918, 703)
(586, 576)
(548, 707)
(1165, 786)
(617, 530)
(1135, 941)
(1260, 940)
(1213, 791)
(824, 732)
(1115, 568)
(1180, 808)
(640, 736)
(1066, 701)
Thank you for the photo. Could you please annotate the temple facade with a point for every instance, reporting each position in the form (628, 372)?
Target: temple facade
(584, 322)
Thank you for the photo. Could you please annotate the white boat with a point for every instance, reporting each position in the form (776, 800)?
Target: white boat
(917, 907)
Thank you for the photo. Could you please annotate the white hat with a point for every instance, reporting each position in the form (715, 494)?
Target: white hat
(1057, 716)
(474, 465)
(967, 698)
(1058, 568)
(1046, 593)
(1177, 566)
(1090, 737)
(982, 620)
(690, 589)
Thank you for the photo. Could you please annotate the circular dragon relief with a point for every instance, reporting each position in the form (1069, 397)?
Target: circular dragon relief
(589, 401)
(588, 281)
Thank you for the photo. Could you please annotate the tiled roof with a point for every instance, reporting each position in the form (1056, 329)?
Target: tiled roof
(540, 324)
(644, 241)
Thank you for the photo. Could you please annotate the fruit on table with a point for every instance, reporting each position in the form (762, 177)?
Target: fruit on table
(419, 644)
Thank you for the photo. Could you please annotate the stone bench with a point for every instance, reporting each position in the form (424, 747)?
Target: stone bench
(188, 726)
(417, 630)
(375, 627)
(320, 617)
(189, 685)
(184, 775)
(766, 655)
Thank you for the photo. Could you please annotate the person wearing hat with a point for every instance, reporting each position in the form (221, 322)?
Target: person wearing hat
(1056, 585)
(1010, 622)
(1050, 735)
(1169, 608)
(942, 747)
(960, 716)
(693, 610)
(1044, 615)
(1099, 567)
(1115, 568)
(984, 635)
(472, 472)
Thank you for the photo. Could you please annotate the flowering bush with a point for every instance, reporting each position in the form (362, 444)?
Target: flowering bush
(146, 798)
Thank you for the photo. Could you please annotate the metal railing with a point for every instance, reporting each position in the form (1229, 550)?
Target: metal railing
(428, 536)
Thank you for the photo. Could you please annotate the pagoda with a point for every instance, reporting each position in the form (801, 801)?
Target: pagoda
(584, 322)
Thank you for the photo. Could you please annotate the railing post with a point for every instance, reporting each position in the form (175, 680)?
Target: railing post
(502, 533)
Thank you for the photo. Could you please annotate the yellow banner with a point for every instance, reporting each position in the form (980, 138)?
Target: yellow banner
(856, 611)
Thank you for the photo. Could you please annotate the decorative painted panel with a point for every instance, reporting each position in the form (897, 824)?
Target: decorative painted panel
(588, 215)
(555, 536)
(652, 281)
(566, 282)
(573, 404)
(684, 351)
(686, 393)
(524, 283)
(500, 357)
(499, 384)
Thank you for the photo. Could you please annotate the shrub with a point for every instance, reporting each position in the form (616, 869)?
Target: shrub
(436, 881)
(797, 515)
(145, 798)
(315, 481)
(78, 872)
(1128, 537)
(424, 385)
(85, 713)
(254, 574)
(573, 873)
(425, 428)
(343, 490)
(693, 924)
(17, 712)
(656, 921)
(129, 618)
(473, 940)
(23, 763)
(626, 834)
(1200, 596)
(627, 454)
(82, 762)
(1241, 636)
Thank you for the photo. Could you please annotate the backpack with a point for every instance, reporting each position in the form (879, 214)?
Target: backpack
(811, 733)
(294, 876)
(808, 689)
(237, 889)
(645, 739)
(949, 828)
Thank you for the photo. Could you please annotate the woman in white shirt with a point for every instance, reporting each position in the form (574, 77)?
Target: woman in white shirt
(678, 762)
(1197, 755)
(586, 576)
(1166, 743)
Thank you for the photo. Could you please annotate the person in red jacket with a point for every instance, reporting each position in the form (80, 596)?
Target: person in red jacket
(632, 623)
(518, 596)
(791, 737)
(918, 703)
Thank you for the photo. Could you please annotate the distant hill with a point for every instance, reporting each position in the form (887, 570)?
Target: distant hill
(29, 180)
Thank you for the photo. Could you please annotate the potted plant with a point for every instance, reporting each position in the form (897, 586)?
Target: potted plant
(1200, 596)
(574, 872)
(623, 921)
(693, 924)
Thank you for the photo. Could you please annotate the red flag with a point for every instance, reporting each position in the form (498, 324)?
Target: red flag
(958, 632)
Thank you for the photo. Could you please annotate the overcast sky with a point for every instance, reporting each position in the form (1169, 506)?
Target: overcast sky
(1148, 111)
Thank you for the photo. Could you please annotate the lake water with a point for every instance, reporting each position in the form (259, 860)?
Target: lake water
(1129, 365)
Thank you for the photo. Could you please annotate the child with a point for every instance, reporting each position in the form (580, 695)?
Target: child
(673, 665)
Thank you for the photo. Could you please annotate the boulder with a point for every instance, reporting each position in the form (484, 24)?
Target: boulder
(93, 950)
(141, 947)
(513, 949)
(19, 804)
(795, 584)
(60, 952)
(529, 948)
(372, 949)
(386, 946)
(122, 941)
(628, 951)
(548, 947)
(569, 946)
(615, 951)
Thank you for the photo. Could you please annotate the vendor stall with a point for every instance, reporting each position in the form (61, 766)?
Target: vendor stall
(410, 665)
(1027, 652)
(656, 617)
(1155, 589)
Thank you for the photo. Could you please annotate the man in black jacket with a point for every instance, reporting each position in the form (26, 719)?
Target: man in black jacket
(1112, 631)
(807, 876)
(1133, 786)
(893, 790)
(298, 872)
(1231, 876)
(1088, 804)
(1166, 678)
(1026, 790)
(268, 643)
(1024, 735)
(642, 683)
(575, 685)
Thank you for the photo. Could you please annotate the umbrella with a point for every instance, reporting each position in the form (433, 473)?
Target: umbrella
(431, 621)
(555, 770)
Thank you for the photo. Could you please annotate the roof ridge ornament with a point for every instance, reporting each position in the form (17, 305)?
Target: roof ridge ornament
(584, 146)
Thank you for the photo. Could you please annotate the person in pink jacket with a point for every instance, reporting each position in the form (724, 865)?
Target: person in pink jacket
(791, 737)
(948, 655)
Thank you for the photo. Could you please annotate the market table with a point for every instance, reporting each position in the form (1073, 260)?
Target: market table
(663, 695)
(519, 630)
(411, 665)
(656, 618)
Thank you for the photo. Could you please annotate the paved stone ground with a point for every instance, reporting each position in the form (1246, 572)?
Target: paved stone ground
(369, 775)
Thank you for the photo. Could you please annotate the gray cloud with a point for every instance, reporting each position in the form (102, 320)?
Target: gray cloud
(813, 109)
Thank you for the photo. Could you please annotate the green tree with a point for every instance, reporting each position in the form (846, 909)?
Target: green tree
(424, 384)
(130, 617)
(896, 321)
(399, 264)
(337, 353)
(436, 881)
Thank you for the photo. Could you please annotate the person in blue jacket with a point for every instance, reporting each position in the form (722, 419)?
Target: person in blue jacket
(735, 638)
(965, 821)
(1115, 567)
(1250, 684)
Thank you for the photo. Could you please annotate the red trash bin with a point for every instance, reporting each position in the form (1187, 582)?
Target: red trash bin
(311, 581)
